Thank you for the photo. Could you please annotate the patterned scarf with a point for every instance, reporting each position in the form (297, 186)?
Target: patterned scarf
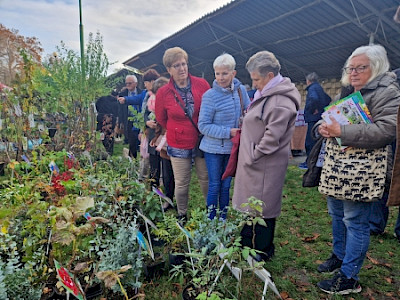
(187, 96)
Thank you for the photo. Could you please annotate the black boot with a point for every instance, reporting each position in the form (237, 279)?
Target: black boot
(263, 239)
(182, 219)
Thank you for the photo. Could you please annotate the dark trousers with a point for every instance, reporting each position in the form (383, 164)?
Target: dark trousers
(397, 226)
(133, 140)
(168, 178)
(310, 142)
(109, 145)
(155, 162)
(263, 237)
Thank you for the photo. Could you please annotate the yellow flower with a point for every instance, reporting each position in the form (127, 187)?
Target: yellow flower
(4, 230)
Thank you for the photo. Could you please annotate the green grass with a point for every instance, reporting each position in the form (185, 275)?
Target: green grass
(303, 240)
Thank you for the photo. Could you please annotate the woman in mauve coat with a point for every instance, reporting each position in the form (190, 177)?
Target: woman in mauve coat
(264, 147)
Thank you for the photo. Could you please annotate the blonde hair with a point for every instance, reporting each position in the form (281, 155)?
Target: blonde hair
(171, 55)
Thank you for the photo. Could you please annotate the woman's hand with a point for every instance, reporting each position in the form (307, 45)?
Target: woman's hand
(151, 124)
(234, 131)
(330, 130)
(121, 100)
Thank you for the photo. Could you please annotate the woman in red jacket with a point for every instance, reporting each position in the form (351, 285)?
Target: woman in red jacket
(183, 92)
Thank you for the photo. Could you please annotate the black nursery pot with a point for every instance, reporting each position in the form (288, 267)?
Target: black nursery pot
(52, 132)
(50, 293)
(154, 269)
(2, 167)
(189, 293)
(94, 291)
(176, 260)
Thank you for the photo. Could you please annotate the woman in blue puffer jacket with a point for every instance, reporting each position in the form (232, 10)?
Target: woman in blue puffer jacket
(219, 121)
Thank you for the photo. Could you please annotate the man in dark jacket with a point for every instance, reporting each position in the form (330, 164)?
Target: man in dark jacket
(316, 100)
(131, 96)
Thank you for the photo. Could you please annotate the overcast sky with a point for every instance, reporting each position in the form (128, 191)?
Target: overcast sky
(128, 27)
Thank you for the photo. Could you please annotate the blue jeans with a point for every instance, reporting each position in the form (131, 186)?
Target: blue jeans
(218, 190)
(350, 231)
(379, 215)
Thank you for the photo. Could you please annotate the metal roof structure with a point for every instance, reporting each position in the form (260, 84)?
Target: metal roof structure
(305, 35)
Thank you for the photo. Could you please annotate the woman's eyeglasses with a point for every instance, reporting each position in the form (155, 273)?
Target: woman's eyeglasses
(359, 69)
(177, 66)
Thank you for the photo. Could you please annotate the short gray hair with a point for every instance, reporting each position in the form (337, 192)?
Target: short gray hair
(378, 60)
(132, 77)
(263, 62)
(225, 60)
(312, 77)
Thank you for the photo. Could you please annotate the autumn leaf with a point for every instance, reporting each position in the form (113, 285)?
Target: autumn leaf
(312, 238)
(284, 243)
(284, 295)
(388, 279)
(376, 262)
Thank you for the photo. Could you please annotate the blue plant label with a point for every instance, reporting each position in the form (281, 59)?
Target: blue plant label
(187, 233)
(26, 159)
(53, 167)
(141, 240)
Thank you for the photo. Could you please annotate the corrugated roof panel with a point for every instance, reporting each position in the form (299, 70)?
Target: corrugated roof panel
(306, 35)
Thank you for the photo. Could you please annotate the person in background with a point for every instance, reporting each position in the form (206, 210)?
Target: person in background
(132, 96)
(149, 167)
(264, 149)
(107, 111)
(156, 134)
(183, 92)
(250, 92)
(220, 111)
(316, 100)
(366, 70)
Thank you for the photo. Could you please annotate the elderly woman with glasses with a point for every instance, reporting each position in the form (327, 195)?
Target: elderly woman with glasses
(220, 112)
(177, 110)
(366, 70)
(264, 149)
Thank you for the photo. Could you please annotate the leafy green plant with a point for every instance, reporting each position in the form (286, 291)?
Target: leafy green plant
(120, 251)
(16, 280)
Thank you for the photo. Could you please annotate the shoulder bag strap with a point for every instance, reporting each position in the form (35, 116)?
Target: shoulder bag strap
(186, 113)
(241, 107)
(241, 101)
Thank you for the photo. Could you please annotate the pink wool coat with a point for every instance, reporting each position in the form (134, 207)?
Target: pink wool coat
(264, 148)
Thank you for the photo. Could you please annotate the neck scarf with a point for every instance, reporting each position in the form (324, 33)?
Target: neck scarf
(187, 96)
(272, 83)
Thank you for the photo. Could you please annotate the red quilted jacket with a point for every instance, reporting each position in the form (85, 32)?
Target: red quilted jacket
(181, 133)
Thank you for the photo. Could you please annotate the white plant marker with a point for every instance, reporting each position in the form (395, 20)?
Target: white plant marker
(265, 276)
(188, 237)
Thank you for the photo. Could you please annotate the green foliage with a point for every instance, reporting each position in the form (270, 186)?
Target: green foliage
(169, 232)
(16, 281)
(61, 82)
(121, 251)
(137, 118)
(213, 296)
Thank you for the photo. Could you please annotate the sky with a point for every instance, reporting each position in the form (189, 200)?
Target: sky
(128, 27)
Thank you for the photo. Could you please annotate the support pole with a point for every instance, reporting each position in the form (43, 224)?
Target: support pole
(81, 41)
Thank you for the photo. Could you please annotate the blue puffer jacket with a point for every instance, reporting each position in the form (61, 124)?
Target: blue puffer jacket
(219, 112)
